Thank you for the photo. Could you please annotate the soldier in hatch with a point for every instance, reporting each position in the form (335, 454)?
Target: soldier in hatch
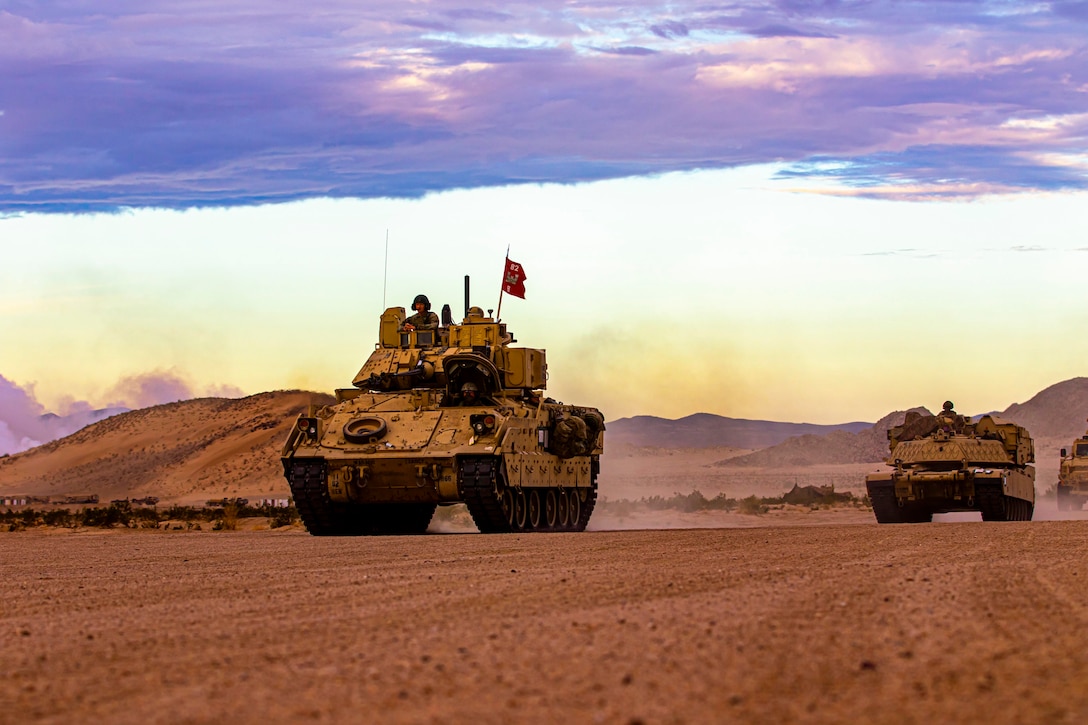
(949, 420)
(470, 394)
(423, 319)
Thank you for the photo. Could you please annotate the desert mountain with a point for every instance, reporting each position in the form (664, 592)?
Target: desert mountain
(1054, 417)
(704, 430)
(185, 451)
(866, 446)
(81, 419)
(1055, 412)
(212, 447)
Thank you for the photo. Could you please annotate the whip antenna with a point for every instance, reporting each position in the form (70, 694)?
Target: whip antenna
(385, 272)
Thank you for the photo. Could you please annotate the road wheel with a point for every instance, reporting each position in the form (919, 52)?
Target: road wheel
(521, 510)
(551, 509)
(574, 508)
(534, 509)
(506, 498)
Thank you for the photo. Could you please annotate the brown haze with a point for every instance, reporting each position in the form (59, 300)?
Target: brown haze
(189, 451)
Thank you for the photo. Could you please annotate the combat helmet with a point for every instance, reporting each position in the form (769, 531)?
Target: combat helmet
(422, 298)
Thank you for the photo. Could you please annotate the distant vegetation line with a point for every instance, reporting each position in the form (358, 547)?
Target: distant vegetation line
(122, 514)
(696, 501)
(225, 518)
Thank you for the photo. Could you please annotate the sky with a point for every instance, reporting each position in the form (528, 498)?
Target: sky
(799, 211)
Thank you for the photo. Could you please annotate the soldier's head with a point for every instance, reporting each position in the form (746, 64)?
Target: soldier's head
(469, 392)
(421, 300)
(948, 406)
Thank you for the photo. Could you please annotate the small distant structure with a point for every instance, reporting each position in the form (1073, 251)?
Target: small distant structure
(26, 499)
(221, 502)
(810, 495)
(144, 501)
(78, 498)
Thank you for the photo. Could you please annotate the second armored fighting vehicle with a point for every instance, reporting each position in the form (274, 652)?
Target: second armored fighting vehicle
(442, 416)
(944, 463)
(1072, 488)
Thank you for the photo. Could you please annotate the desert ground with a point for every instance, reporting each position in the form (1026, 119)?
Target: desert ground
(798, 614)
(945, 622)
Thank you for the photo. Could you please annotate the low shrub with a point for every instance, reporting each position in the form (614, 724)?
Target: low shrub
(753, 506)
(283, 516)
(690, 503)
(124, 514)
(229, 520)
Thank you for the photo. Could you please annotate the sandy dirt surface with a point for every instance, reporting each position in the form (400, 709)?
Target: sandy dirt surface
(946, 622)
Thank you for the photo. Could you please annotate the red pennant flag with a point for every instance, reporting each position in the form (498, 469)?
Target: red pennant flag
(513, 279)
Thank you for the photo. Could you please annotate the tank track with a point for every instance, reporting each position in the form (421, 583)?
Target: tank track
(587, 506)
(989, 499)
(996, 506)
(884, 505)
(476, 485)
(324, 517)
(481, 486)
(888, 511)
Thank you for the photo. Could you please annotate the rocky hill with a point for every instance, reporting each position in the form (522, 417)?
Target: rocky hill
(866, 446)
(1054, 417)
(185, 451)
(1059, 411)
(704, 430)
(212, 447)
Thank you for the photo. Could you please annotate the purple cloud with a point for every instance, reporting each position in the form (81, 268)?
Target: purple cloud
(669, 29)
(25, 423)
(21, 423)
(243, 102)
(784, 31)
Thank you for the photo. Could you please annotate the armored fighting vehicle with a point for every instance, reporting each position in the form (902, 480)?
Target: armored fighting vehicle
(440, 416)
(1072, 489)
(945, 463)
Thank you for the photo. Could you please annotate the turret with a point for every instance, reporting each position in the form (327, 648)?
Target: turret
(928, 439)
(478, 350)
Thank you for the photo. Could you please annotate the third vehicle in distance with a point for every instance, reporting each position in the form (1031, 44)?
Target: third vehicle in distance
(1072, 488)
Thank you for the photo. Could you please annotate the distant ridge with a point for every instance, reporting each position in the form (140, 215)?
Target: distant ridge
(1053, 417)
(212, 447)
(706, 430)
(189, 450)
(1055, 412)
(82, 419)
(866, 446)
